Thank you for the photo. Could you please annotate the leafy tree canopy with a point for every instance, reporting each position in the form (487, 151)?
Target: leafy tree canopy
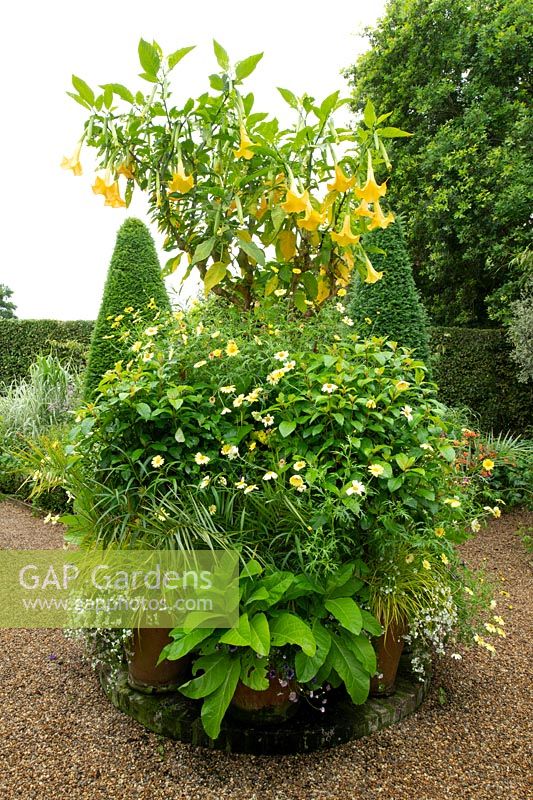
(7, 308)
(458, 75)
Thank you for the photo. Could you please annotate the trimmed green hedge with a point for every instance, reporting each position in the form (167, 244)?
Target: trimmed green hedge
(473, 368)
(22, 340)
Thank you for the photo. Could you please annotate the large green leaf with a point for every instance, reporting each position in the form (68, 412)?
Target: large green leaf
(370, 623)
(203, 251)
(260, 634)
(392, 133)
(213, 276)
(177, 55)
(239, 636)
(246, 66)
(120, 90)
(221, 55)
(347, 666)
(289, 97)
(347, 612)
(83, 89)
(149, 58)
(289, 629)
(216, 704)
(253, 251)
(362, 648)
(213, 668)
(183, 643)
(307, 666)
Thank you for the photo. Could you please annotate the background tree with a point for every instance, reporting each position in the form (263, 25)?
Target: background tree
(7, 308)
(459, 78)
(134, 283)
(393, 304)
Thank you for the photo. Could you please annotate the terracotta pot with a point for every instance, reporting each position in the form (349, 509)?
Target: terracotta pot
(269, 705)
(144, 673)
(388, 648)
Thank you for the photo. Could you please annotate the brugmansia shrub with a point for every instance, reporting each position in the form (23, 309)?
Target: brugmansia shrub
(393, 305)
(259, 419)
(134, 282)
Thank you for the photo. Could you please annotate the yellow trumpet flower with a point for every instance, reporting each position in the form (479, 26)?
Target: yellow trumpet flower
(125, 170)
(341, 182)
(345, 237)
(294, 202)
(113, 197)
(243, 150)
(181, 182)
(101, 186)
(311, 220)
(379, 220)
(363, 210)
(73, 162)
(371, 191)
(372, 276)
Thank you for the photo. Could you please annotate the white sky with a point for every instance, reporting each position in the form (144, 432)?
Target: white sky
(57, 237)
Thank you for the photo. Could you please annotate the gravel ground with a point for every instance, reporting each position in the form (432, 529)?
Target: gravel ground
(60, 738)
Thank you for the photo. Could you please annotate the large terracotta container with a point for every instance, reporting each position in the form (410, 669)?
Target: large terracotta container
(144, 673)
(388, 648)
(270, 705)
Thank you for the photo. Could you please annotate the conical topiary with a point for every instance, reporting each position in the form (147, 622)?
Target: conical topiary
(393, 303)
(133, 278)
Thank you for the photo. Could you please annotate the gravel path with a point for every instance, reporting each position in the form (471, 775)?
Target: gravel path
(60, 738)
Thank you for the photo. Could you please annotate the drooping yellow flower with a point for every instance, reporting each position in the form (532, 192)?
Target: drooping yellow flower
(296, 202)
(181, 182)
(261, 209)
(341, 182)
(345, 237)
(113, 198)
(379, 220)
(363, 210)
(243, 150)
(372, 275)
(101, 186)
(371, 191)
(311, 220)
(73, 162)
(126, 171)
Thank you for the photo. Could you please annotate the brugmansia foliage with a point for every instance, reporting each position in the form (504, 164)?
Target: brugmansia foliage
(261, 211)
(393, 306)
(134, 283)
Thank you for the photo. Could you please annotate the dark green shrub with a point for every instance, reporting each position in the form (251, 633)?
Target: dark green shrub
(23, 340)
(393, 304)
(133, 279)
(473, 368)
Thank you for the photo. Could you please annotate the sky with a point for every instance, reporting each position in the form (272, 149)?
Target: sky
(57, 237)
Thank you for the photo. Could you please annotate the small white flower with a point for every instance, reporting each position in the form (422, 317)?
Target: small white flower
(201, 459)
(205, 482)
(239, 400)
(340, 308)
(227, 389)
(348, 321)
(280, 292)
(426, 446)
(407, 412)
(356, 487)
(152, 331)
(270, 476)
(251, 488)
(241, 484)
(225, 410)
(329, 388)
(282, 355)
(268, 420)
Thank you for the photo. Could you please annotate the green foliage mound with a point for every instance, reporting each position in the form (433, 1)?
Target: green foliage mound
(133, 280)
(393, 304)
